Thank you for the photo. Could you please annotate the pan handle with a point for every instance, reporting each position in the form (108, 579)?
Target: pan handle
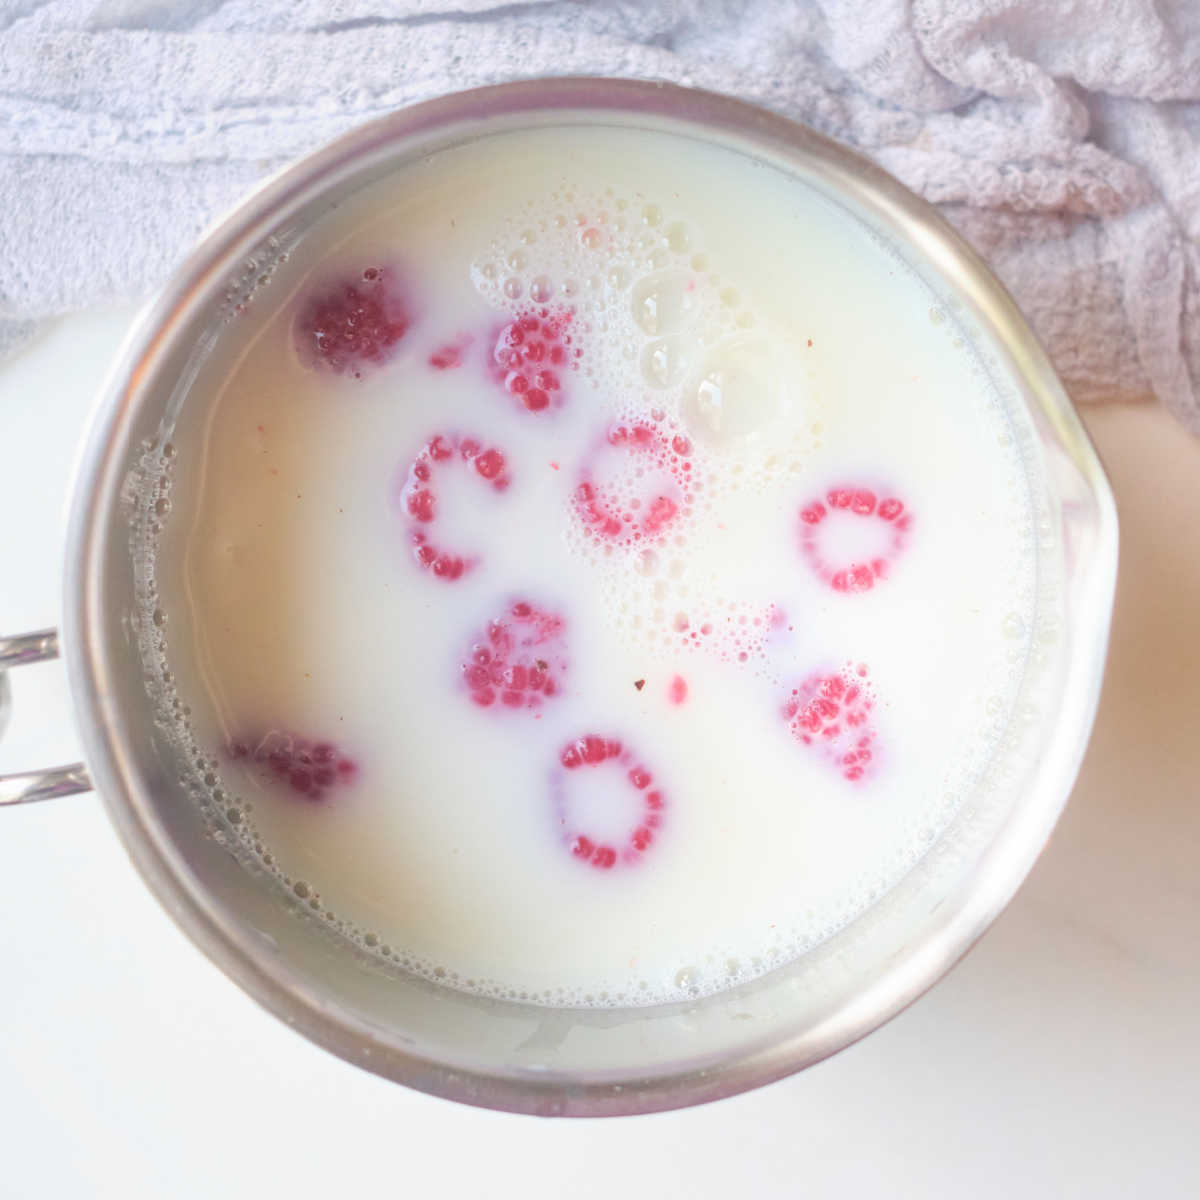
(27, 786)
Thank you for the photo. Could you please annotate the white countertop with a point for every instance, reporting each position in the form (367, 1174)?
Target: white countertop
(1061, 1059)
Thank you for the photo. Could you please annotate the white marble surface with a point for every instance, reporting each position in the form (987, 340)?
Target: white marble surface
(1061, 1059)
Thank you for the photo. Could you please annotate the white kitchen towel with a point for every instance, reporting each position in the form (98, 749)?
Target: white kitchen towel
(1062, 137)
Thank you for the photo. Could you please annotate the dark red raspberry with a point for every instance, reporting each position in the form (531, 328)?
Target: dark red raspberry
(856, 503)
(354, 325)
(306, 767)
(832, 713)
(418, 497)
(594, 751)
(519, 660)
(646, 485)
(532, 355)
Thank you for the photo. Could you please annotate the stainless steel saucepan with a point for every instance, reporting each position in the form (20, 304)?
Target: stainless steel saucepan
(511, 1055)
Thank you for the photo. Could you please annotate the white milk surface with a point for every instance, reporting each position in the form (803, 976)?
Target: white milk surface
(708, 298)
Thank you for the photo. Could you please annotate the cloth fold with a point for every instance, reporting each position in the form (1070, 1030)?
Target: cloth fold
(1062, 137)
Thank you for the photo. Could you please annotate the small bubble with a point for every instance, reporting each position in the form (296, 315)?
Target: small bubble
(513, 288)
(591, 238)
(541, 290)
(678, 238)
(488, 270)
(687, 978)
(651, 214)
(663, 304)
(301, 889)
(646, 562)
(1013, 626)
(663, 362)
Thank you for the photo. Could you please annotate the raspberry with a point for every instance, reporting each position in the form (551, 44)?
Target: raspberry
(887, 515)
(419, 499)
(531, 355)
(354, 326)
(832, 713)
(590, 752)
(306, 767)
(519, 658)
(650, 488)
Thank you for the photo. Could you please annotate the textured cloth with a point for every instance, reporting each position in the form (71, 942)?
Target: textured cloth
(1062, 137)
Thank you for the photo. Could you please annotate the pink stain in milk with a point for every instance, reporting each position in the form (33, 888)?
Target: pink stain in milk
(832, 715)
(635, 484)
(853, 504)
(452, 354)
(592, 752)
(419, 495)
(518, 660)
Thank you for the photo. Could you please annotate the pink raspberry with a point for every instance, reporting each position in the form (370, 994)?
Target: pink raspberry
(858, 504)
(592, 751)
(519, 659)
(651, 486)
(418, 496)
(532, 355)
(832, 714)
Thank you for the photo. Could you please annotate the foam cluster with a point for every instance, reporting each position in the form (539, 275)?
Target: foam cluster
(696, 398)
